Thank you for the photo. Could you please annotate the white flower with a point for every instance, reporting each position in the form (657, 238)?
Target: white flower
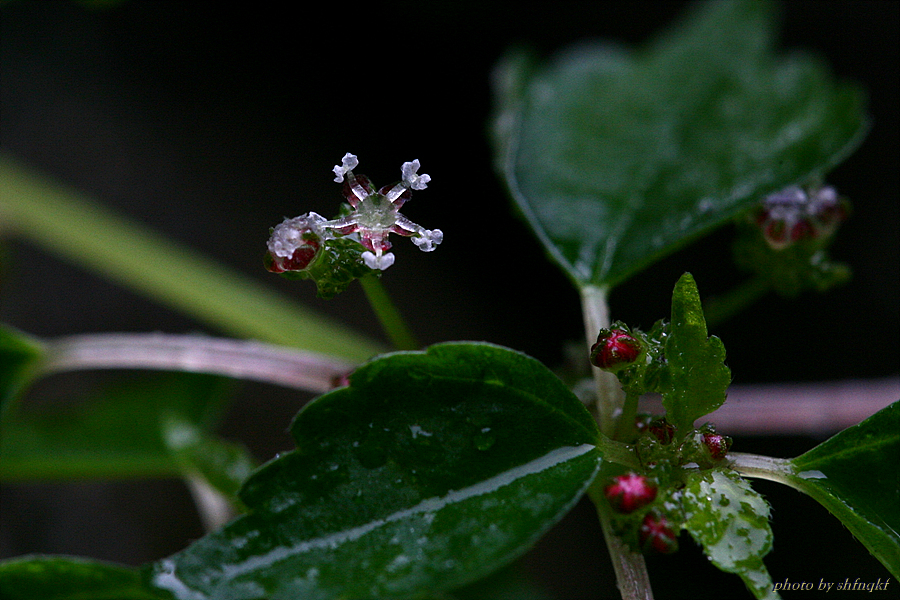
(348, 163)
(428, 239)
(411, 179)
(380, 262)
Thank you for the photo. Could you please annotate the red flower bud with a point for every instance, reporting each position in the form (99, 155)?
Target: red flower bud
(629, 492)
(717, 444)
(615, 348)
(662, 430)
(656, 535)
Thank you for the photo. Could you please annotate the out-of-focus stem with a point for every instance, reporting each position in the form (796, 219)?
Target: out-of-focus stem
(388, 315)
(198, 354)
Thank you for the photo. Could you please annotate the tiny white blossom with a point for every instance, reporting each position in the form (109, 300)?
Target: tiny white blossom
(411, 178)
(288, 235)
(348, 163)
(380, 262)
(428, 239)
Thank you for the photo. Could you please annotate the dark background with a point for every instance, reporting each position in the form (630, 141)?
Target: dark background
(212, 123)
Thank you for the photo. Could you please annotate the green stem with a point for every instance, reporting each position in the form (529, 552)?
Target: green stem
(632, 577)
(73, 226)
(388, 315)
(631, 570)
(721, 308)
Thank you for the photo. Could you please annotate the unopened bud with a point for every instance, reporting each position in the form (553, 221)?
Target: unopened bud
(629, 492)
(615, 349)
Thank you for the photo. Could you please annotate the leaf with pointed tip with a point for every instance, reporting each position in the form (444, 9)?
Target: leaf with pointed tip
(698, 377)
(617, 157)
(856, 476)
(431, 470)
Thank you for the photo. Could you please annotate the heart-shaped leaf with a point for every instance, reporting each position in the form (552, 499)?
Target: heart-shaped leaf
(617, 157)
(429, 471)
(856, 476)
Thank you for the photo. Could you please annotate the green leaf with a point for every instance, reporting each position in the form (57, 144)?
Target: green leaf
(66, 578)
(19, 354)
(856, 476)
(431, 470)
(224, 465)
(617, 157)
(731, 522)
(117, 434)
(698, 377)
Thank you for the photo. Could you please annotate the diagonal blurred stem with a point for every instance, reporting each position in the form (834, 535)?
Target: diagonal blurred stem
(63, 221)
(388, 315)
(256, 361)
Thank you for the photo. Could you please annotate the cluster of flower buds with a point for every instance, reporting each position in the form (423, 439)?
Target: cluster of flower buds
(794, 214)
(374, 215)
(615, 349)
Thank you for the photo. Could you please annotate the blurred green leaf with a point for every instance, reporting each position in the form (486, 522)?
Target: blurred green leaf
(856, 476)
(224, 465)
(431, 470)
(116, 434)
(697, 375)
(19, 354)
(617, 157)
(731, 522)
(36, 577)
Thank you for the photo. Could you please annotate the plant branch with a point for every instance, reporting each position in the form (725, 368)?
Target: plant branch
(388, 315)
(631, 571)
(195, 353)
(610, 397)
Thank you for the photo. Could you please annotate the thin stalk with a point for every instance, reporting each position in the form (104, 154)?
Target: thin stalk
(779, 470)
(721, 308)
(632, 577)
(631, 570)
(197, 354)
(388, 315)
(610, 397)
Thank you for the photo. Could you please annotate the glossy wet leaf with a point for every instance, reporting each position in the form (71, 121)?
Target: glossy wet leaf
(19, 354)
(856, 476)
(118, 433)
(731, 522)
(67, 578)
(616, 156)
(429, 471)
(697, 375)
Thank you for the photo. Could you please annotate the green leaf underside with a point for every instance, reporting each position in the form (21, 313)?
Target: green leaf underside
(731, 522)
(856, 476)
(68, 578)
(116, 434)
(616, 157)
(430, 471)
(698, 375)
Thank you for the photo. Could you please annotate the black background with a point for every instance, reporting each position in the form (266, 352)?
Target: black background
(213, 122)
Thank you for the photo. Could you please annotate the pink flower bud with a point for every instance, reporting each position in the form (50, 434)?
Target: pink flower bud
(662, 430)
(615, 349)
(717, 444)
(629, 492)
(656, 535)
